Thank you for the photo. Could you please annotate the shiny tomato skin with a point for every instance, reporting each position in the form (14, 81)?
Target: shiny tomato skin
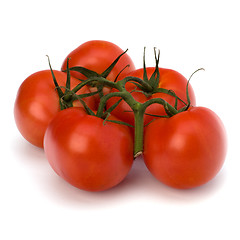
(186, 150)
(37, 102)
(97, 55)
(87, 153)
(169, 79)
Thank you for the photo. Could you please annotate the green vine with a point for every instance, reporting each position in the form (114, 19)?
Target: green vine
(146, 86)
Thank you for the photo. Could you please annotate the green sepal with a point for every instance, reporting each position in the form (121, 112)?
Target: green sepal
(109, 110)
(169, 92)
(105, 119)
(185, 108)
(120, 122)
(73, 96)
(110, 68)
(115, 121)
(153, 82)
(87, 109)
(91, 74)
(145, 77)
(68, 82)
(158, 116)
(84, 71)
(155, 78)
(138, 85)
(145, 86)
(104, 114)
(84, 95)
(60, 92)
(147, 95)
(115, 80)
(188, 104)
(168, 111)
(100, 91)
(62, 106)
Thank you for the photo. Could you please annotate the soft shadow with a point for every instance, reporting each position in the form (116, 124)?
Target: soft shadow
(26, 151)
(64, 193)
(158, 190)
(139, 184)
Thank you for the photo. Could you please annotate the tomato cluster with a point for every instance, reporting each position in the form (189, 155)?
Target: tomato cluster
(96, 115)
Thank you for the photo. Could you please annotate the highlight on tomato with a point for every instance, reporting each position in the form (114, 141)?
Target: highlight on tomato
(186, 150)
(90, 153)
(37, 102)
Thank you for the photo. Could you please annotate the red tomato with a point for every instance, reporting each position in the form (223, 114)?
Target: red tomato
(186, 150)
(98, 55)
(169, 79)
(37, 102)
(86, 152)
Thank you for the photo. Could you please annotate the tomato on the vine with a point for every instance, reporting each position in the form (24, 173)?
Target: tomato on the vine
(186, 150)
(86, 132)
(169, 80)
(37, 102)
(87, 152)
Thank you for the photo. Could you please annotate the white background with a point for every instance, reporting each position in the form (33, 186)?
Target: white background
(37, 204)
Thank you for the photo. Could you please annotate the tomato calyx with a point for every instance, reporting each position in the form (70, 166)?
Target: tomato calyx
(171, 111)
(148, 86)
(67, 97)
(153, 81)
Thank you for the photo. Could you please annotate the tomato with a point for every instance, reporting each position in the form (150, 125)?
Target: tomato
(186, 150)
(169, 79)
(37, 102)
(86, 152)
(98, 55)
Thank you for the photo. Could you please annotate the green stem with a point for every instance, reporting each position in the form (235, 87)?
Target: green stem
(138, 130)
(125, 95)
(143, 85)
(138, 108)
(170, 110)
(139, 111)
